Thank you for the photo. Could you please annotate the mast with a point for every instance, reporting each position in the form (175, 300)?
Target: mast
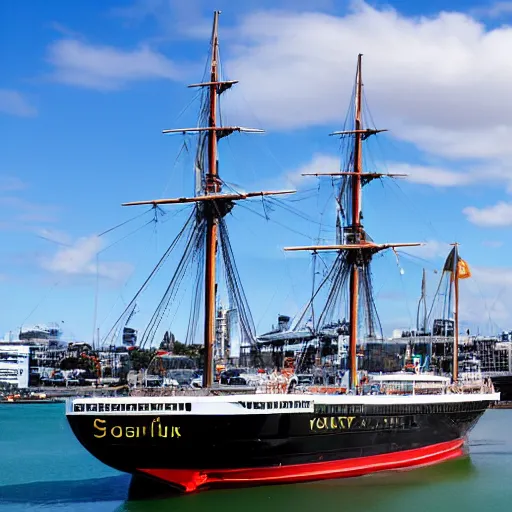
(313, 291)
(358, 158)
(455, 372)
(421, 324)
(360, 250)
(357, 231)
(215, 204)
(213, 185)
(458, 269)
(96, 290)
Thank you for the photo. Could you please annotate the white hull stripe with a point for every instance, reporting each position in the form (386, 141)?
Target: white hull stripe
(253, 404)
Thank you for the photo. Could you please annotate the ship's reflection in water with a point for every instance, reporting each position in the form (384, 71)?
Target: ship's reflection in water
(353, 492)
(37, 444)
(374, 492)
(63, 492)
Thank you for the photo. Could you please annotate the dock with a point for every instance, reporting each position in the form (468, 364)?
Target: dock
(502, 404)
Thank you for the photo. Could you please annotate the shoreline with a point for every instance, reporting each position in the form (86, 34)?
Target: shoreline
(59, 395)
(32, 401)
(501, 405)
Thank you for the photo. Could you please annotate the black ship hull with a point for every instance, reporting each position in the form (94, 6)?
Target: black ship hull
(262, 439)
(503, 386)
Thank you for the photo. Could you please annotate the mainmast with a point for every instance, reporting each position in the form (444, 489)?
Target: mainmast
(213, 185)
(215, 204)
(360, 250)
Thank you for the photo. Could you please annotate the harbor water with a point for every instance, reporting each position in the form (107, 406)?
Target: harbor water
(43, 467)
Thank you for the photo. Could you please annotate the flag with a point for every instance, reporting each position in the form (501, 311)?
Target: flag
(463, 271)
(449, 263)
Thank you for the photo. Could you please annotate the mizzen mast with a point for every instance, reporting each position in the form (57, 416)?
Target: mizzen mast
(359, 248)
(215, 205)
(358, 235)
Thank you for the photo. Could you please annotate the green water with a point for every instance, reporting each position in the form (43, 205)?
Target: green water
(43, 467)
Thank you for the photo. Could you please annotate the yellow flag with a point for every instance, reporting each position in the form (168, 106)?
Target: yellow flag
(463, 269)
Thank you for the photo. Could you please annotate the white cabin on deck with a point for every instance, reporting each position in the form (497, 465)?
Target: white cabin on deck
(411, 383)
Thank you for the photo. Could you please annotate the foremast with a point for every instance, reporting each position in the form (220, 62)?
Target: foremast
(215, 204)
(213, 186)
(355, 241)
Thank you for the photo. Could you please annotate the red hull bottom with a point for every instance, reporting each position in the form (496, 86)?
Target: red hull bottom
(189, 480)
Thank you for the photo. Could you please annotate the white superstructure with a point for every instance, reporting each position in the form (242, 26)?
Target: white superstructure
(15, 365)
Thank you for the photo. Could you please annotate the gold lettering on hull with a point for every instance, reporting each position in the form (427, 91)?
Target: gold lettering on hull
(340, 423)
(331, 423)
(156, 429)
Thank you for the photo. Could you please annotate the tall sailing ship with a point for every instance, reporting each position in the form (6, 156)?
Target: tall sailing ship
(274, 432)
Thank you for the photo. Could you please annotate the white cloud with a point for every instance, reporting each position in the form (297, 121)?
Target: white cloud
(15, 104)
(106, 67)
(486, 297)
(462, 143)
(440, 82)
(19, 214)
(498, 215)
(484, 312)
(429, 250)
(424, 174)
(55, 236)
(430, 175)
(495, 10)
(493, 277)
(11, 183)
(319, 163)
(79, 259)
(16, 210)
(174, 18)
(485, 300)
(494, 244)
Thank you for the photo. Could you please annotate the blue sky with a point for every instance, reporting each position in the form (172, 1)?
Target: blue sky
(86, 89)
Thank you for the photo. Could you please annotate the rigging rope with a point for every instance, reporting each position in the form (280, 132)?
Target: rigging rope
(153, 272)
(125, 222)
(172, 288)
(235, 288)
